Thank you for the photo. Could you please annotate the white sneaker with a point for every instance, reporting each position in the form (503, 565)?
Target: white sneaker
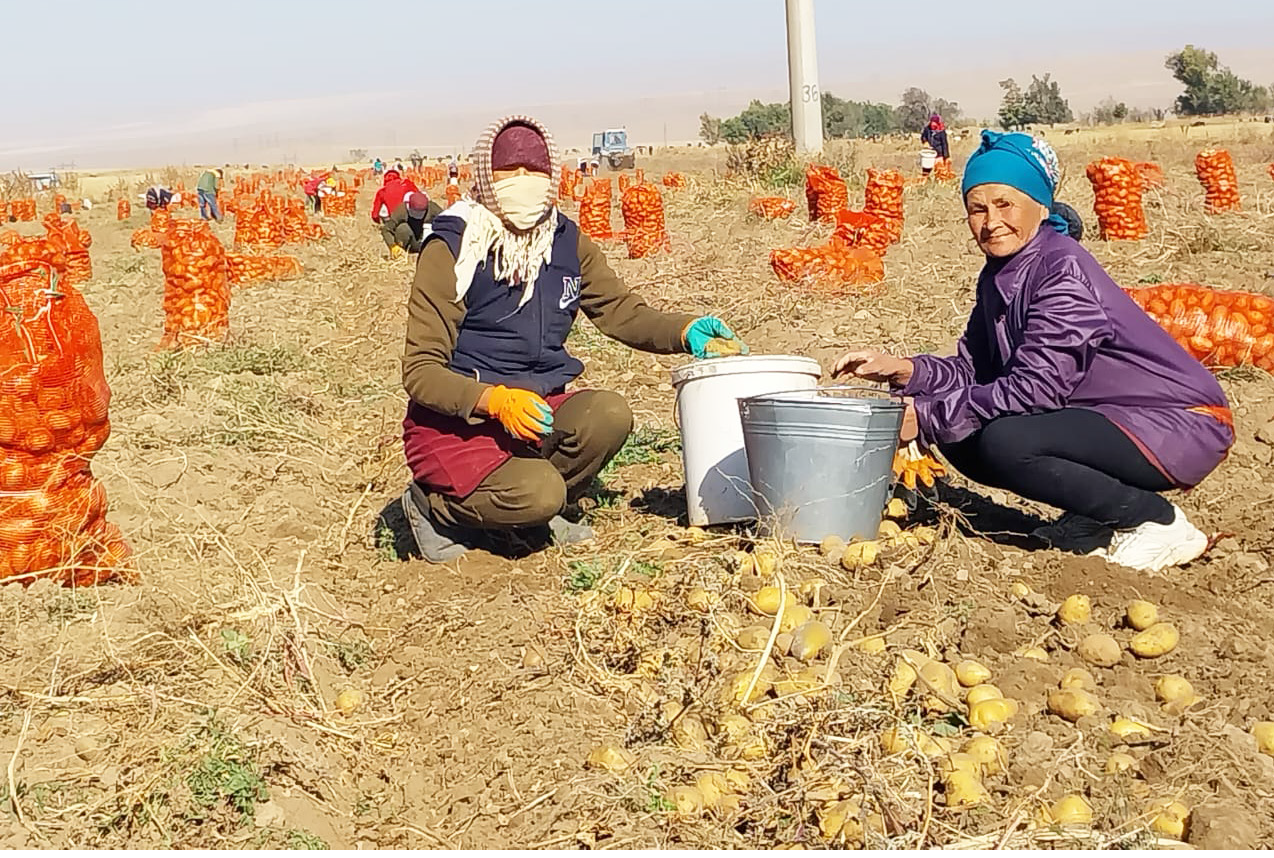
(1152, 547)
(1075, 533)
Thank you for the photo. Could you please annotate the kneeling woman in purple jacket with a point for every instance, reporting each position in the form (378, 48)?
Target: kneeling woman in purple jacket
(1062, 390)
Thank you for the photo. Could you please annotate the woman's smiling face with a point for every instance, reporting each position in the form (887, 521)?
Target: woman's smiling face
(1002, 218)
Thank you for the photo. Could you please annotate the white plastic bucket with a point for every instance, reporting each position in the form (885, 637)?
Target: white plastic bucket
(928, 157)
(718, 490)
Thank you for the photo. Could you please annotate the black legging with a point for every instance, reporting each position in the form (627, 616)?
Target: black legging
(1074, 459)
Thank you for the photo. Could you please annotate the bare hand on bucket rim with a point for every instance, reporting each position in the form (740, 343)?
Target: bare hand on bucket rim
(884, 368)
(870, 365)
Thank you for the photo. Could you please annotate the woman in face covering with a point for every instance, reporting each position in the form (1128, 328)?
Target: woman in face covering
(492, 436)
(1062, 390)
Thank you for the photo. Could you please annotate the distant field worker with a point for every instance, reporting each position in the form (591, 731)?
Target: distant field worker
(1062, 390)
(311, 188)
(207, 186)
(390, 194)
(404, 229)
(494, 440)
(935, 137)
(158, 197)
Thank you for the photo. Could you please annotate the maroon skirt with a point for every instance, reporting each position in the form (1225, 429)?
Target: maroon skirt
(451, 456)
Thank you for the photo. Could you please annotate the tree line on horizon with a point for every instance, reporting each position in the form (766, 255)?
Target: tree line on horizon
(1210, 89)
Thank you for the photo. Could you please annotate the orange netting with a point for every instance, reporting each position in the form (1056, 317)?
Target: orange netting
(675, 180)
(54, 404)
(594, 210)
(1151, 174)
(566, 186)
(643, 210)
(22, 210)
(196, 286)
(830, 269)
(772, 208)
(244, 268)
(943, 171)
(825, 192)
(123, 210)
(625, 182)
(1215, 169)
(67, 235)
(272, 221)
(862, 229)
(340, 204)
(1221, 329)
(1117, 186)
(152, 236)
(883, 198)
(453, 195)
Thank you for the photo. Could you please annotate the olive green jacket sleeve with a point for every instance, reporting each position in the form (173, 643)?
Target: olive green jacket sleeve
(622, 314)
(433, 324)
(434, 318)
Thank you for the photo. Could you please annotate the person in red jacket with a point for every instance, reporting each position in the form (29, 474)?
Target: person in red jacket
(391, 194)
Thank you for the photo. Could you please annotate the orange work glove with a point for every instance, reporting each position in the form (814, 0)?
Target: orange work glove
(523, 414)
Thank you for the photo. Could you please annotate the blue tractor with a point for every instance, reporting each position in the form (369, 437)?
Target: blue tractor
(611, 146)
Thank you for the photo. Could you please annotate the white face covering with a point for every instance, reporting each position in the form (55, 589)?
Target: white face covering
(523, 199)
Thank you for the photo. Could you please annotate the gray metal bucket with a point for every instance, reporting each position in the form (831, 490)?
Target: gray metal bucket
(821, 461)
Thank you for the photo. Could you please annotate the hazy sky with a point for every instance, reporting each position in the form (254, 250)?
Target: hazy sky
(124, 82)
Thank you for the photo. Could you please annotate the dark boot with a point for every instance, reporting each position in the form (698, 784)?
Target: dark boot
(436, 543)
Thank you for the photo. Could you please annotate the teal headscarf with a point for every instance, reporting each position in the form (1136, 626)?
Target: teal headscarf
(1019, 161)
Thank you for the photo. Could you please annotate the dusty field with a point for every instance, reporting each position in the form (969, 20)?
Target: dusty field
(198, 708)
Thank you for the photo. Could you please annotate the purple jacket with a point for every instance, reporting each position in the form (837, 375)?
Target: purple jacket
(1051, 330)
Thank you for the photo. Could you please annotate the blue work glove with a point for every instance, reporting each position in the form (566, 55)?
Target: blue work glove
(709, 337)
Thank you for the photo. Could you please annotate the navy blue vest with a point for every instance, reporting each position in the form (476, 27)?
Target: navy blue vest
(498, 343)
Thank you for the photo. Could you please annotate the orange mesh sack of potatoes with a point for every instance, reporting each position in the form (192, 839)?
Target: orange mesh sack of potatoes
(1151, 174)
(830, 269)
(265, 222)
(339, 204)
(123, 210)
(771, 208)
(454, 194)
(594, 210)
(295, 226)
(1215, 169)
(196, 286)
(565, 186)
(861, 229)
(74, 242)
(1220, 329)
(53, 418)
(643, 210)
(1117, 187)
(943, 171)
(883, 199)
(825, 192)
(22, 210)
(675, 180)
(244, 268)
(153, 235)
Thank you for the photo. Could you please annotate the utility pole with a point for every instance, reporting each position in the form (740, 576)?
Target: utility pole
(802, 70)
